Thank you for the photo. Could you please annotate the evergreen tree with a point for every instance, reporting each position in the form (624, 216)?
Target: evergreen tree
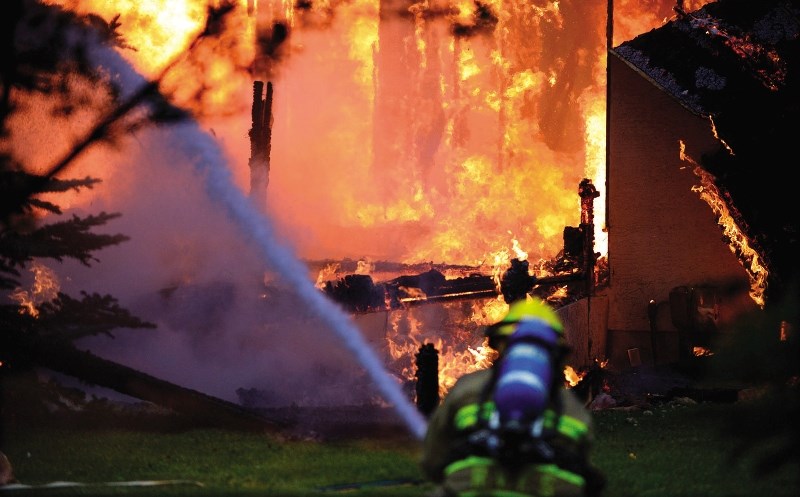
(44, 52)
(43, 66)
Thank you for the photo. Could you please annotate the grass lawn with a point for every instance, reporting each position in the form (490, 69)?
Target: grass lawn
(689, 450)
(675, 449)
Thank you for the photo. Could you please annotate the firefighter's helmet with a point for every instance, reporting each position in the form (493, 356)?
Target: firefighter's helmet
(529, 309)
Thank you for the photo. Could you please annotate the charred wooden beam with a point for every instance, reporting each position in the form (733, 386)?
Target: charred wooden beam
(195, 407)
(588, 193)
(358, 293)
(576, 264)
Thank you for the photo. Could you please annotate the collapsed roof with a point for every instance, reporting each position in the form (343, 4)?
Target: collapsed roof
(736, 62)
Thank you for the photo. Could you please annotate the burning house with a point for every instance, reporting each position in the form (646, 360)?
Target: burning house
(701, 117)
(392, 135)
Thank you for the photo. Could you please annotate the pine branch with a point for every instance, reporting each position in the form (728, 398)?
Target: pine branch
(13, 184)
(66, 318)
(61, 320)
(71, 239)
(8, 273)
(43, 54)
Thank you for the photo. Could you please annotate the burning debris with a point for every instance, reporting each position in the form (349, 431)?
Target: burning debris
(573, 270)
(358, 293)
(759, 57)
(570, 277)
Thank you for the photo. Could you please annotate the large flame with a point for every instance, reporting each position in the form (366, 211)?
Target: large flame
(409, 132)
(433, 129)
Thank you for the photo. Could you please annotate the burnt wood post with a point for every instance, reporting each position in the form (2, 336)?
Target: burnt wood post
(588, 193)
(427, 387)
(260, 143)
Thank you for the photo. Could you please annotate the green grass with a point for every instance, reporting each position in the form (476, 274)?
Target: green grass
(209, 461)
(687, 450)
(670, 450)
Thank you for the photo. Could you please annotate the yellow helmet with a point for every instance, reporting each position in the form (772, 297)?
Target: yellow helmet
(521, 310)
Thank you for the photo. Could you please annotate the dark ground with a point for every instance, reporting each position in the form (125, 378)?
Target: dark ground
(27, 400)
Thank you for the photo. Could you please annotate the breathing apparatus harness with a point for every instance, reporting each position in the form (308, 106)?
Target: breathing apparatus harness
(513, 405)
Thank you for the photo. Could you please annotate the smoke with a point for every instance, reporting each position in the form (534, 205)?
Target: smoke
(444, 158)
(235, 309)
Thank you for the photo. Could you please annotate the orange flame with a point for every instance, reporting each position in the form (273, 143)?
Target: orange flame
(159, 31)
(328, 273)
(701, 351)
(572, 376)
(45, 288)
(452, 211)
(737, 240)
(489, 134)
(463, 349)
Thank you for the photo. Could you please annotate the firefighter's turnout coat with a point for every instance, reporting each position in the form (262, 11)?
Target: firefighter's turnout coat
(461, 470)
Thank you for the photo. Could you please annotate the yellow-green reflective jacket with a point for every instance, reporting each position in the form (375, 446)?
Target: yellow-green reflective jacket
(477, 475)
(480, 475)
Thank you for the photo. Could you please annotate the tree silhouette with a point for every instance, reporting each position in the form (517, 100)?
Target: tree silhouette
(45, 51)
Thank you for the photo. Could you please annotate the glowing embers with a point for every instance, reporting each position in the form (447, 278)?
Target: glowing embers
(702, 352)
(762, 59)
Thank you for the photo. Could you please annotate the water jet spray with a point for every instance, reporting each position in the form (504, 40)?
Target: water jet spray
(209, 161)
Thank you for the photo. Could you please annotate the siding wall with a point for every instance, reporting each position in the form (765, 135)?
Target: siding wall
(661, 235)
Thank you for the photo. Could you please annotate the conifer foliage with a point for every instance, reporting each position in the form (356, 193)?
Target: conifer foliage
(44, 52)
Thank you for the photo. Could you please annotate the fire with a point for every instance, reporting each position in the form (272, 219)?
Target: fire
(634, 17)
(487, 134)
(716, 135)
(158, 31)
(702, 352)
(737, 240)
(44, 288)
(572, 376)
(328, 273)
(423, 137)
(462, 350)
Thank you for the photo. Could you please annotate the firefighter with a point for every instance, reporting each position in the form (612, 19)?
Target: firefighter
(503, 432)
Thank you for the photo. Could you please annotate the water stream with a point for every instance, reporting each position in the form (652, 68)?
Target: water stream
(210, 164)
